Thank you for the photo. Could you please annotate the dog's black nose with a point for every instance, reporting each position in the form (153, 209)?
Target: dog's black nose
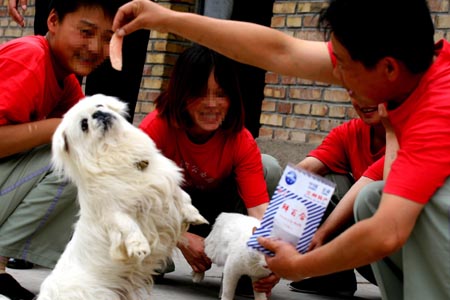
(101, 115)
(104, 117)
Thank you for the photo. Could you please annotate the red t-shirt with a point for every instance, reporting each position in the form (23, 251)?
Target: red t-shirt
(205, 166)
(375, 170)
(28, 85)
(422, 126)
(346, 149)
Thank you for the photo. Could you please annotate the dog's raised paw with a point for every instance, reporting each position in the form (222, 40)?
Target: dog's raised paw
(197, 277)
(137, 247)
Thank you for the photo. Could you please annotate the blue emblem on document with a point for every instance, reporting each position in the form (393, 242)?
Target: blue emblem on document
(291, 177)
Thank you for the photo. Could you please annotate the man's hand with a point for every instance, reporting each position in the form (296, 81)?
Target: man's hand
(384, 117)
(266, 284)
(392, 145)
(140, 14)
(318, 239)
(14, 11)
(193, 250)
(282, 263)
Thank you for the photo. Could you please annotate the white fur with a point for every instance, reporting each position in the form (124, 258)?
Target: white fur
(226, 246)
(132, 209)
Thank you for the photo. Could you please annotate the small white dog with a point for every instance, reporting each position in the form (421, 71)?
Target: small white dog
(132, 209)
(226, 246)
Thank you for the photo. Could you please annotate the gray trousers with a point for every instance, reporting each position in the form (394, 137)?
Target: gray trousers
(343, 183)
(421, 269)
(272, 172)
(37, 208)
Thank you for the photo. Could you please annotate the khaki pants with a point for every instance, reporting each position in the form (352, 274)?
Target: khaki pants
(37, 209)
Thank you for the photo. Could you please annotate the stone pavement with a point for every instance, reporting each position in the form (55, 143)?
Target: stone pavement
(284, 151)
(179, 286)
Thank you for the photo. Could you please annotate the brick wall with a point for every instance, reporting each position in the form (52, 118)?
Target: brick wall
(293, 109)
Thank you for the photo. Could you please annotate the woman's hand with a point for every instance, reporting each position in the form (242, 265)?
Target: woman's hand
(193, 249)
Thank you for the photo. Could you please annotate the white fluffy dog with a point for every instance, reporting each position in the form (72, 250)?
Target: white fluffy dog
(132, 209)
(226, 246)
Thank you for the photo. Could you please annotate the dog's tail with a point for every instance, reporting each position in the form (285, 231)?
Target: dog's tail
(197, 277)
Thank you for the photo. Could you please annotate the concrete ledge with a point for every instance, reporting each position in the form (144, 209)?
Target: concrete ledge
(284, 151)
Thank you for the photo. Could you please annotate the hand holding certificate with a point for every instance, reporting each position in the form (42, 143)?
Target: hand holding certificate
(295, 210)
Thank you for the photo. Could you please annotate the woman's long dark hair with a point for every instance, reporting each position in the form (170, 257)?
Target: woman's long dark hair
(189, 80)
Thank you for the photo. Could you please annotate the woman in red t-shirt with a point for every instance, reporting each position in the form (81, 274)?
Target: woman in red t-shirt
(199, 124)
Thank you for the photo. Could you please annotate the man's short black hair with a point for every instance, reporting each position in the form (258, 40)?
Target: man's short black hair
(64, 7)
(373, 29)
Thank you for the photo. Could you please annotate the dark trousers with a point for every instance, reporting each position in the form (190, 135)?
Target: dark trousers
(123, 84)
(211, 203)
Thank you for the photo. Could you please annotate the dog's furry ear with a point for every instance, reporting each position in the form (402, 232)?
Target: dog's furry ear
(112, 103)
(60, 144)
(141, 165)
(118, 106)
(66, 142)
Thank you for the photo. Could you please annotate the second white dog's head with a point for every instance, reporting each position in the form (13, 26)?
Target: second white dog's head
(94, 137)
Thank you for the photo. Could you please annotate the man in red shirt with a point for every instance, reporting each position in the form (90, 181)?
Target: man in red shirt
(38, 85)
(343, 157)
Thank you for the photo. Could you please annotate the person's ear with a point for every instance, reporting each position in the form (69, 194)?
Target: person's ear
(52, 21)
(391, 68)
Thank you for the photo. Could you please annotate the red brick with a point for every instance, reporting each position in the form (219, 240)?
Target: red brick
(281, 134)
(278, 21)
(316, 138)
(265, 132)
(298, 136)
(319, 110)
(268, 106)
(301, 123)
(288, 80)
(271, 78)
(336, 95)
(337, 111)
(284, 108)
(305, 93)
(302, 109)
(284, 7)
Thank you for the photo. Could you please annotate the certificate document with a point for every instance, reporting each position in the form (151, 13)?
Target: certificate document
(295, 210)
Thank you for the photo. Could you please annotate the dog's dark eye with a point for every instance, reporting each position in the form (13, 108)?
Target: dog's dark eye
(84, 125)
(99, 105)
